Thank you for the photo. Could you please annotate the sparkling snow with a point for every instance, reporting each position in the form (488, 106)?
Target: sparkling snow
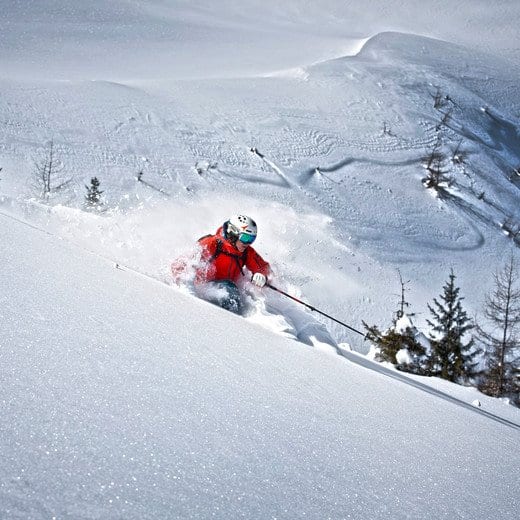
(124, 397)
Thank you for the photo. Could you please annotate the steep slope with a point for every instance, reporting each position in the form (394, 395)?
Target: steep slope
(124, 398)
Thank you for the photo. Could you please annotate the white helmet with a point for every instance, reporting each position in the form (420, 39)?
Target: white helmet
(240, 227)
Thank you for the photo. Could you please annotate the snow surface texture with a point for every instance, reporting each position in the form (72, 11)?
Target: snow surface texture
(339, 200)
(122, 398)
(125, 398)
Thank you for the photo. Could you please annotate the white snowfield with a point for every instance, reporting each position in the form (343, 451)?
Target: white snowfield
(122, 397)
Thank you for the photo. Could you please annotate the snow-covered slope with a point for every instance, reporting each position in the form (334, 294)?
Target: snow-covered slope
(123, 398)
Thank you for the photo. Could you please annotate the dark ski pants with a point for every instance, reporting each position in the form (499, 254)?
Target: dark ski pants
(223, 293)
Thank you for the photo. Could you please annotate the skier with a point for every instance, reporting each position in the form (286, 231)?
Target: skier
(223, 257)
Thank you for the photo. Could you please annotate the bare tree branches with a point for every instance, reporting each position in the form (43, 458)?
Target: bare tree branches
(47, 172)
(403, 304)
(435, 164)
(502, 336)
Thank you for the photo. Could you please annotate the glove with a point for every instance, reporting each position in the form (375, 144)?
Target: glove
(259, 279)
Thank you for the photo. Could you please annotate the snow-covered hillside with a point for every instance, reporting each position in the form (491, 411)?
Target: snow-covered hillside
(123, 398)
(317, 119)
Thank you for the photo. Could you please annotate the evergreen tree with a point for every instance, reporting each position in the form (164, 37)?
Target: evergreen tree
(93, 196)
(393, 341)
(400, 337)
(502, 344)
(451, 358)
(388, 343)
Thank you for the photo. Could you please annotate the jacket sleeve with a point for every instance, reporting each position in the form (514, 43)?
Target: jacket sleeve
(256, 264)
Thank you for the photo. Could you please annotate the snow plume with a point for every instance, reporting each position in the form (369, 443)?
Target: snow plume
(149, 236)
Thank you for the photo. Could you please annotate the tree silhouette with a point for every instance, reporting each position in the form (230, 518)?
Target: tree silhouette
(451, 358)
(93, 196)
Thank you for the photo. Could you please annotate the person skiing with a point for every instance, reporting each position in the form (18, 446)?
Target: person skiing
(223, 257)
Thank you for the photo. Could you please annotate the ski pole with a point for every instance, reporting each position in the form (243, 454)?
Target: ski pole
(314, 309)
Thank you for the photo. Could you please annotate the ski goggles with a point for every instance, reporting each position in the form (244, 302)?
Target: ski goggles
(245, 238)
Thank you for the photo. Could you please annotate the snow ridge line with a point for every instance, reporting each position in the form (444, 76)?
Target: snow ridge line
(348, 355)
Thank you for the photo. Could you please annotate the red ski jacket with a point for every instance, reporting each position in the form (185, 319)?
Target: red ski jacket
(221, 260)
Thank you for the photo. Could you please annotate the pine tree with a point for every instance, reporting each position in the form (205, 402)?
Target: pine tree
(393, 341)
(502, 345)
(400, 337)
(93, 196)
(451, 358)
(388, 343)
